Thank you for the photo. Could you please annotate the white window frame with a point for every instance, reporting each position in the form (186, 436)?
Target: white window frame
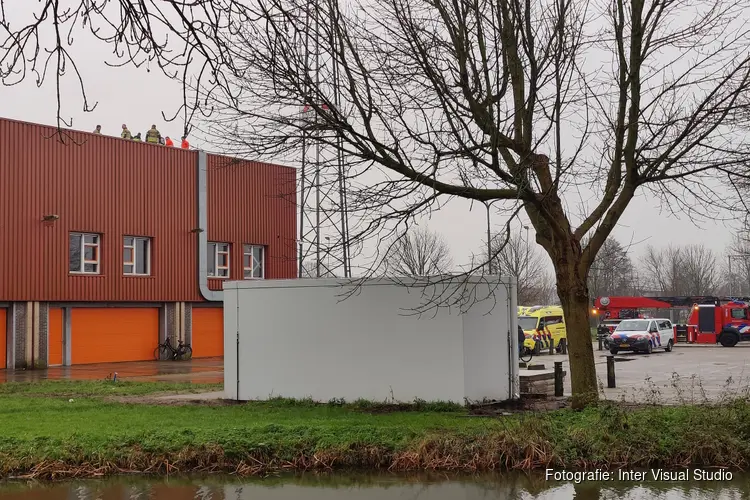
(134, 262)
(247, 250)
(218, 249)
(83, 245)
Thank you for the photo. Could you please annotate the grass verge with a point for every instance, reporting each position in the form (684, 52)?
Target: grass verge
(92, 388)
(50, 437)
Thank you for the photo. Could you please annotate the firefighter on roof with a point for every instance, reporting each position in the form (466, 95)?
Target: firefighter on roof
(153, 135)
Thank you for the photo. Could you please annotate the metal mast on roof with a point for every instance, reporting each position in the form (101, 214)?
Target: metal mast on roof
(323, 246)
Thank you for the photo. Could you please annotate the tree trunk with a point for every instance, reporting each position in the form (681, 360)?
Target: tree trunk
(573, 292)
(554, 234)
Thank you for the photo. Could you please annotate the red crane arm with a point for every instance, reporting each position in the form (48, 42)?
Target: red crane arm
(652, 302)
(630, 303)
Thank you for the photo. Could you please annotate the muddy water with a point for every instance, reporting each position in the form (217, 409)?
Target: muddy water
(383, 487)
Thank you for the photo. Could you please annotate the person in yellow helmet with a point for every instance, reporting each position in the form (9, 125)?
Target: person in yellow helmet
(125, 132)
(153, 135)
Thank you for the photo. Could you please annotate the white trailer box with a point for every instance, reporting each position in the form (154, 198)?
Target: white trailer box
(325, 339)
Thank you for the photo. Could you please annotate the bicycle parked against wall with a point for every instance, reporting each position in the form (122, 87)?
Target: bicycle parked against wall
(181, 352)
(526, 355)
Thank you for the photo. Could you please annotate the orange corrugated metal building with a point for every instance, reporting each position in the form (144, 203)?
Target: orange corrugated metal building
(108, 246)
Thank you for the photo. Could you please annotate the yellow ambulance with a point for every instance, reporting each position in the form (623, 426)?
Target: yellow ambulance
(542, 325)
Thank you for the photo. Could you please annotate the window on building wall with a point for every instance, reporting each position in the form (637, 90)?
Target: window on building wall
(136, 255)
(218, 260)
(252, 262)
(83, 253)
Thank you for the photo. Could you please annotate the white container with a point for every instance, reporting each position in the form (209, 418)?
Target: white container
(324, 339)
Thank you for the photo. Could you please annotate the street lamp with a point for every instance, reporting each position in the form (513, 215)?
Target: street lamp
(301, 261)
(487, 205)
(527, 243)
(526, 262)
(489, 240)
(328, 257)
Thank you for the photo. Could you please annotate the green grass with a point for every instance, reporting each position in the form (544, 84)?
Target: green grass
(49, 435)
(96, 425)
(101, 388)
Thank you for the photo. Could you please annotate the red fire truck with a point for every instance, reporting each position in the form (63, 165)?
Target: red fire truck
(724, 320)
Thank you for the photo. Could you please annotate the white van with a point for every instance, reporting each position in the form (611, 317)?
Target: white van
(642, 335)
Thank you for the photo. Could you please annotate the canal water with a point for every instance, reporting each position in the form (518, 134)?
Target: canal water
(382, 487)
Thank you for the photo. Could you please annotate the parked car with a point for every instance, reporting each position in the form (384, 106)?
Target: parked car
(642, 335)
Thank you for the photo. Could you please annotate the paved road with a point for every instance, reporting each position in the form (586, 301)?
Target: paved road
(688, 374)
(197, 371)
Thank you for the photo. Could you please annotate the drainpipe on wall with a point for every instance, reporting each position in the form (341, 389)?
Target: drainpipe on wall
(37, 333)
(32, 317)
(515, 380)
(208, 294)
(29, 349)
(181, 320)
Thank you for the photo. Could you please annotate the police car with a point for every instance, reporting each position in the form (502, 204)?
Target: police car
(642, 335)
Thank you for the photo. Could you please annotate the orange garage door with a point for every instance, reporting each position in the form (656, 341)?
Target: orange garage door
(105, 335)
(3, 335)
(55, 337)
(208, 332)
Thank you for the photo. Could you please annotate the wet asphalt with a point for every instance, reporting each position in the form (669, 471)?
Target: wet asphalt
(690, 374)
(196, 371)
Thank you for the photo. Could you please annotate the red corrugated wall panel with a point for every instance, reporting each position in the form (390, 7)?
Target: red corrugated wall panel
(253, 203)
(106, 185)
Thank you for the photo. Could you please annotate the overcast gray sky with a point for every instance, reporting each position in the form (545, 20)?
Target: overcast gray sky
(137, 97)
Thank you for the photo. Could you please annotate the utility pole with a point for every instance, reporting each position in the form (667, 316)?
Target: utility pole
(528, 256)
(328, 257)
(489, 240)
(323, 199)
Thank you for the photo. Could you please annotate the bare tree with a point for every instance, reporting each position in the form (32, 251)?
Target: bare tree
(700, 270)
(687, 270)
(465, 99)
(612, 272)
(420, 252)
(661, 270)
(516, 258)
(736, 268)
(478, 99)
